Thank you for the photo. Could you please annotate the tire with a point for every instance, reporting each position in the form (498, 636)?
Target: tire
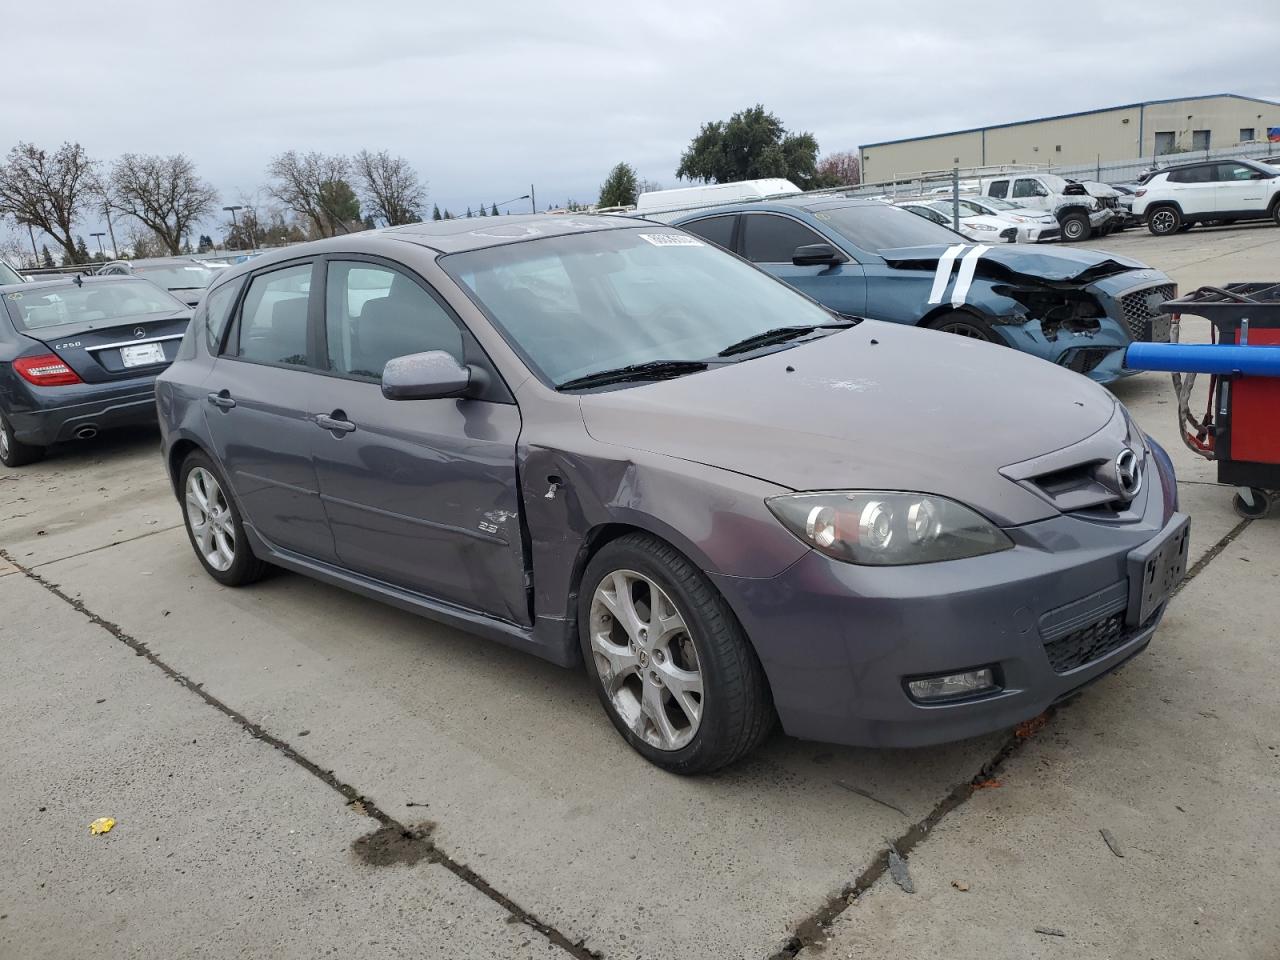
(1163, 221)
(1275, 214)
(243, 567)
(1252, 511)
(1076, 228)
(1185, 227)
(962, 323)
(635, 673)
(13, 452)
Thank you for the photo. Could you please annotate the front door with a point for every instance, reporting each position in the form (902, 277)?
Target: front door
(421, 494)
(769, 240)
(259, 398)
(1240, 188)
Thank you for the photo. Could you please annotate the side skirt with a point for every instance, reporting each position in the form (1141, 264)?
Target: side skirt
(545, 642)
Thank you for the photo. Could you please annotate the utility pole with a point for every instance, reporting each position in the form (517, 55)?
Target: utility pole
(32, 233)
(533, 199)
(115, 250)
(234, 227)
(102, 253)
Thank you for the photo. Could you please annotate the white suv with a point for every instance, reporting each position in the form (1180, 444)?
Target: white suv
(1218, 191)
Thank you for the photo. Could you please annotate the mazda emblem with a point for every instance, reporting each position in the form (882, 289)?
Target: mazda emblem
(139, 332)
(1128, 474)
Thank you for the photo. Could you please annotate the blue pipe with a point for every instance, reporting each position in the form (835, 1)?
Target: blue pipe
(1223, 359)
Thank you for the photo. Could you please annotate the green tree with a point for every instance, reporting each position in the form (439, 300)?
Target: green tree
(435, 212)
(493, 210)
(620, 188)
(206, 243)
(82, 251)
(447, 214)
(750, 145)
(469, 214)
(340, 205)
(46, 258)
(482, 212)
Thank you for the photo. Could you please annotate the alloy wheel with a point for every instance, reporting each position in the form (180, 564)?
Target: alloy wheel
(960, 328)
(646, 660)
(4, 441)
(1164, 221)
(209, 516)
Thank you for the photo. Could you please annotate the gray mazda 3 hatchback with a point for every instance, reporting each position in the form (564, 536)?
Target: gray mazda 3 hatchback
(607, 441)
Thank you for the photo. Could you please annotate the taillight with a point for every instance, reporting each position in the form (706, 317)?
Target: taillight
(46, 370)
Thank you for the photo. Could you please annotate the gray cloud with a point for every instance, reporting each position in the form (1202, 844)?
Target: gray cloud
(486, 98)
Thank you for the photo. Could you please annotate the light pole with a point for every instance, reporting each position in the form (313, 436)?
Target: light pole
(111, 231)
(102, 253)
(234, 225)
(512, 200)
(32, 233)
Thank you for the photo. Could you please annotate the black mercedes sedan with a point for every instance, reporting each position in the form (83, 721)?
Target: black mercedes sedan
(81, 355)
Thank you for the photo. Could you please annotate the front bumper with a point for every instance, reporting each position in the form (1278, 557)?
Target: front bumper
(838, 641)
(56, 414)
(1038, 232)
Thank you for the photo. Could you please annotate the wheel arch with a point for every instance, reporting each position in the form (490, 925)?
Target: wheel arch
(178, 451)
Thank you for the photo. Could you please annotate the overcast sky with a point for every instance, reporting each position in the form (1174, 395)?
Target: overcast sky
(486, 97)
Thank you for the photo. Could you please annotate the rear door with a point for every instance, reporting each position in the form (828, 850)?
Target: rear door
(260, 396)
(1239, 188)
(421, 494)
(105, 330)
(770, 239)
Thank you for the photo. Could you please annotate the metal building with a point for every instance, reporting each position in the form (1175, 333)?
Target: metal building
(1153, 128)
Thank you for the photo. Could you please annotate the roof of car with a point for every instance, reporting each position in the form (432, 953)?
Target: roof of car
(157, 261)
(784, 204)
(63, 281)
(474, 233)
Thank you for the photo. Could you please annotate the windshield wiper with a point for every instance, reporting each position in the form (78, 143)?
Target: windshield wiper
(652, 370)
(779, 335)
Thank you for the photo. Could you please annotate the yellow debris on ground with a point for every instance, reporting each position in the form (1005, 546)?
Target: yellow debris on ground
(102, 825)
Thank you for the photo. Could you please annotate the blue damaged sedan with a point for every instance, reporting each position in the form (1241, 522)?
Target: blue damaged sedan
(611, 444)
(1074, 307)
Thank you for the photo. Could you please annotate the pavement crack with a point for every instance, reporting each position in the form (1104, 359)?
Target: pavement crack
(813, 929)
(106, 546)
(392, 842)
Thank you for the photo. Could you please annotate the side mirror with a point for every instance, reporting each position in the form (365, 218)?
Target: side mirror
(425, 376)
(817, 254)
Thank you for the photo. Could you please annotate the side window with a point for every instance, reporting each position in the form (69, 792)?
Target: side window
(1234, 172)
(773, 239)
(719, 230)
(998, 188)
(217, 308)
(373, 314)
(273, 322)
(1028, 188)
(1201, 174)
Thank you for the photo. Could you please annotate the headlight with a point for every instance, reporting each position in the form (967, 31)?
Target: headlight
(1021, 219)
(887, 529)
(979, 226)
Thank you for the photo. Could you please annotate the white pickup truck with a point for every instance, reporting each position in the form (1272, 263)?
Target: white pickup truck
(1083, 208)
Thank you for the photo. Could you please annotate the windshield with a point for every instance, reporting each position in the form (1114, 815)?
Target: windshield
(7, 274)
(879, 226)
(53, 306)
(193, 276)
(580, 304)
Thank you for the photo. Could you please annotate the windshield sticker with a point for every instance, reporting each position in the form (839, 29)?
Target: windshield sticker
(672, 240)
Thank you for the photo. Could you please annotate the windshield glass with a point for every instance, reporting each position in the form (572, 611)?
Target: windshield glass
(579, 304)
(879, 226)
(53, 306)
(7, 274)
(193, 276)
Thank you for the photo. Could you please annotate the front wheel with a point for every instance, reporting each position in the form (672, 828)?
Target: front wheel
(965, 324)
(671, 664)
(1075, 227)
(13, 452)
(214, 526)
(1163, 221)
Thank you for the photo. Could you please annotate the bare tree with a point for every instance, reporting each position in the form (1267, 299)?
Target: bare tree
(305, 183)
(47, 190)
(840, 169)
(164, 193)
(389, 187)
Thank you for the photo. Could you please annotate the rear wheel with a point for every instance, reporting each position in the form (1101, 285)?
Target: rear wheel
(13, 452)
(965, 324)
(1275, 213)
(670, 662)
(1075, 227)
(1163, 221)
(214, 526)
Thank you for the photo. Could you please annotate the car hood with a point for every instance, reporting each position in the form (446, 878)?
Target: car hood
(878, 406)
(1065, 264)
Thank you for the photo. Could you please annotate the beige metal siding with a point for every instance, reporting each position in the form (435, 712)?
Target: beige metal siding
(1104, 135)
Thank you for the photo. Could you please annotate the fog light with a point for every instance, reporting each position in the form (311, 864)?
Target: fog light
(953, 686)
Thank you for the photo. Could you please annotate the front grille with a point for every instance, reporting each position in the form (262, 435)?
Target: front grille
(1137, 311)
(1084, 646)
(1084, 359)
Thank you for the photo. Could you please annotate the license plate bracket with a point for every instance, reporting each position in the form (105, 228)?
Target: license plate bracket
(1156, 568)
(1160, 328)
(142, 354)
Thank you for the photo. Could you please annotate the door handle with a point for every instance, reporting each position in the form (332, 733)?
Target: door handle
(222, 399)
(336, 421)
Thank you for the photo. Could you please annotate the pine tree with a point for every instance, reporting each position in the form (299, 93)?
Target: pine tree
(447, 214)
(82, 251)
(493, 210)
(469, 214)
(46, 258)
(482, 212)
(620, 187)
(435, 212)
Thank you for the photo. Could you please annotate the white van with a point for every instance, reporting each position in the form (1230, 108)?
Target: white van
(667, 204)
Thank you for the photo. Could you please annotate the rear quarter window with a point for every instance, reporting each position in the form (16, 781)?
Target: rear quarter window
(217, 308)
